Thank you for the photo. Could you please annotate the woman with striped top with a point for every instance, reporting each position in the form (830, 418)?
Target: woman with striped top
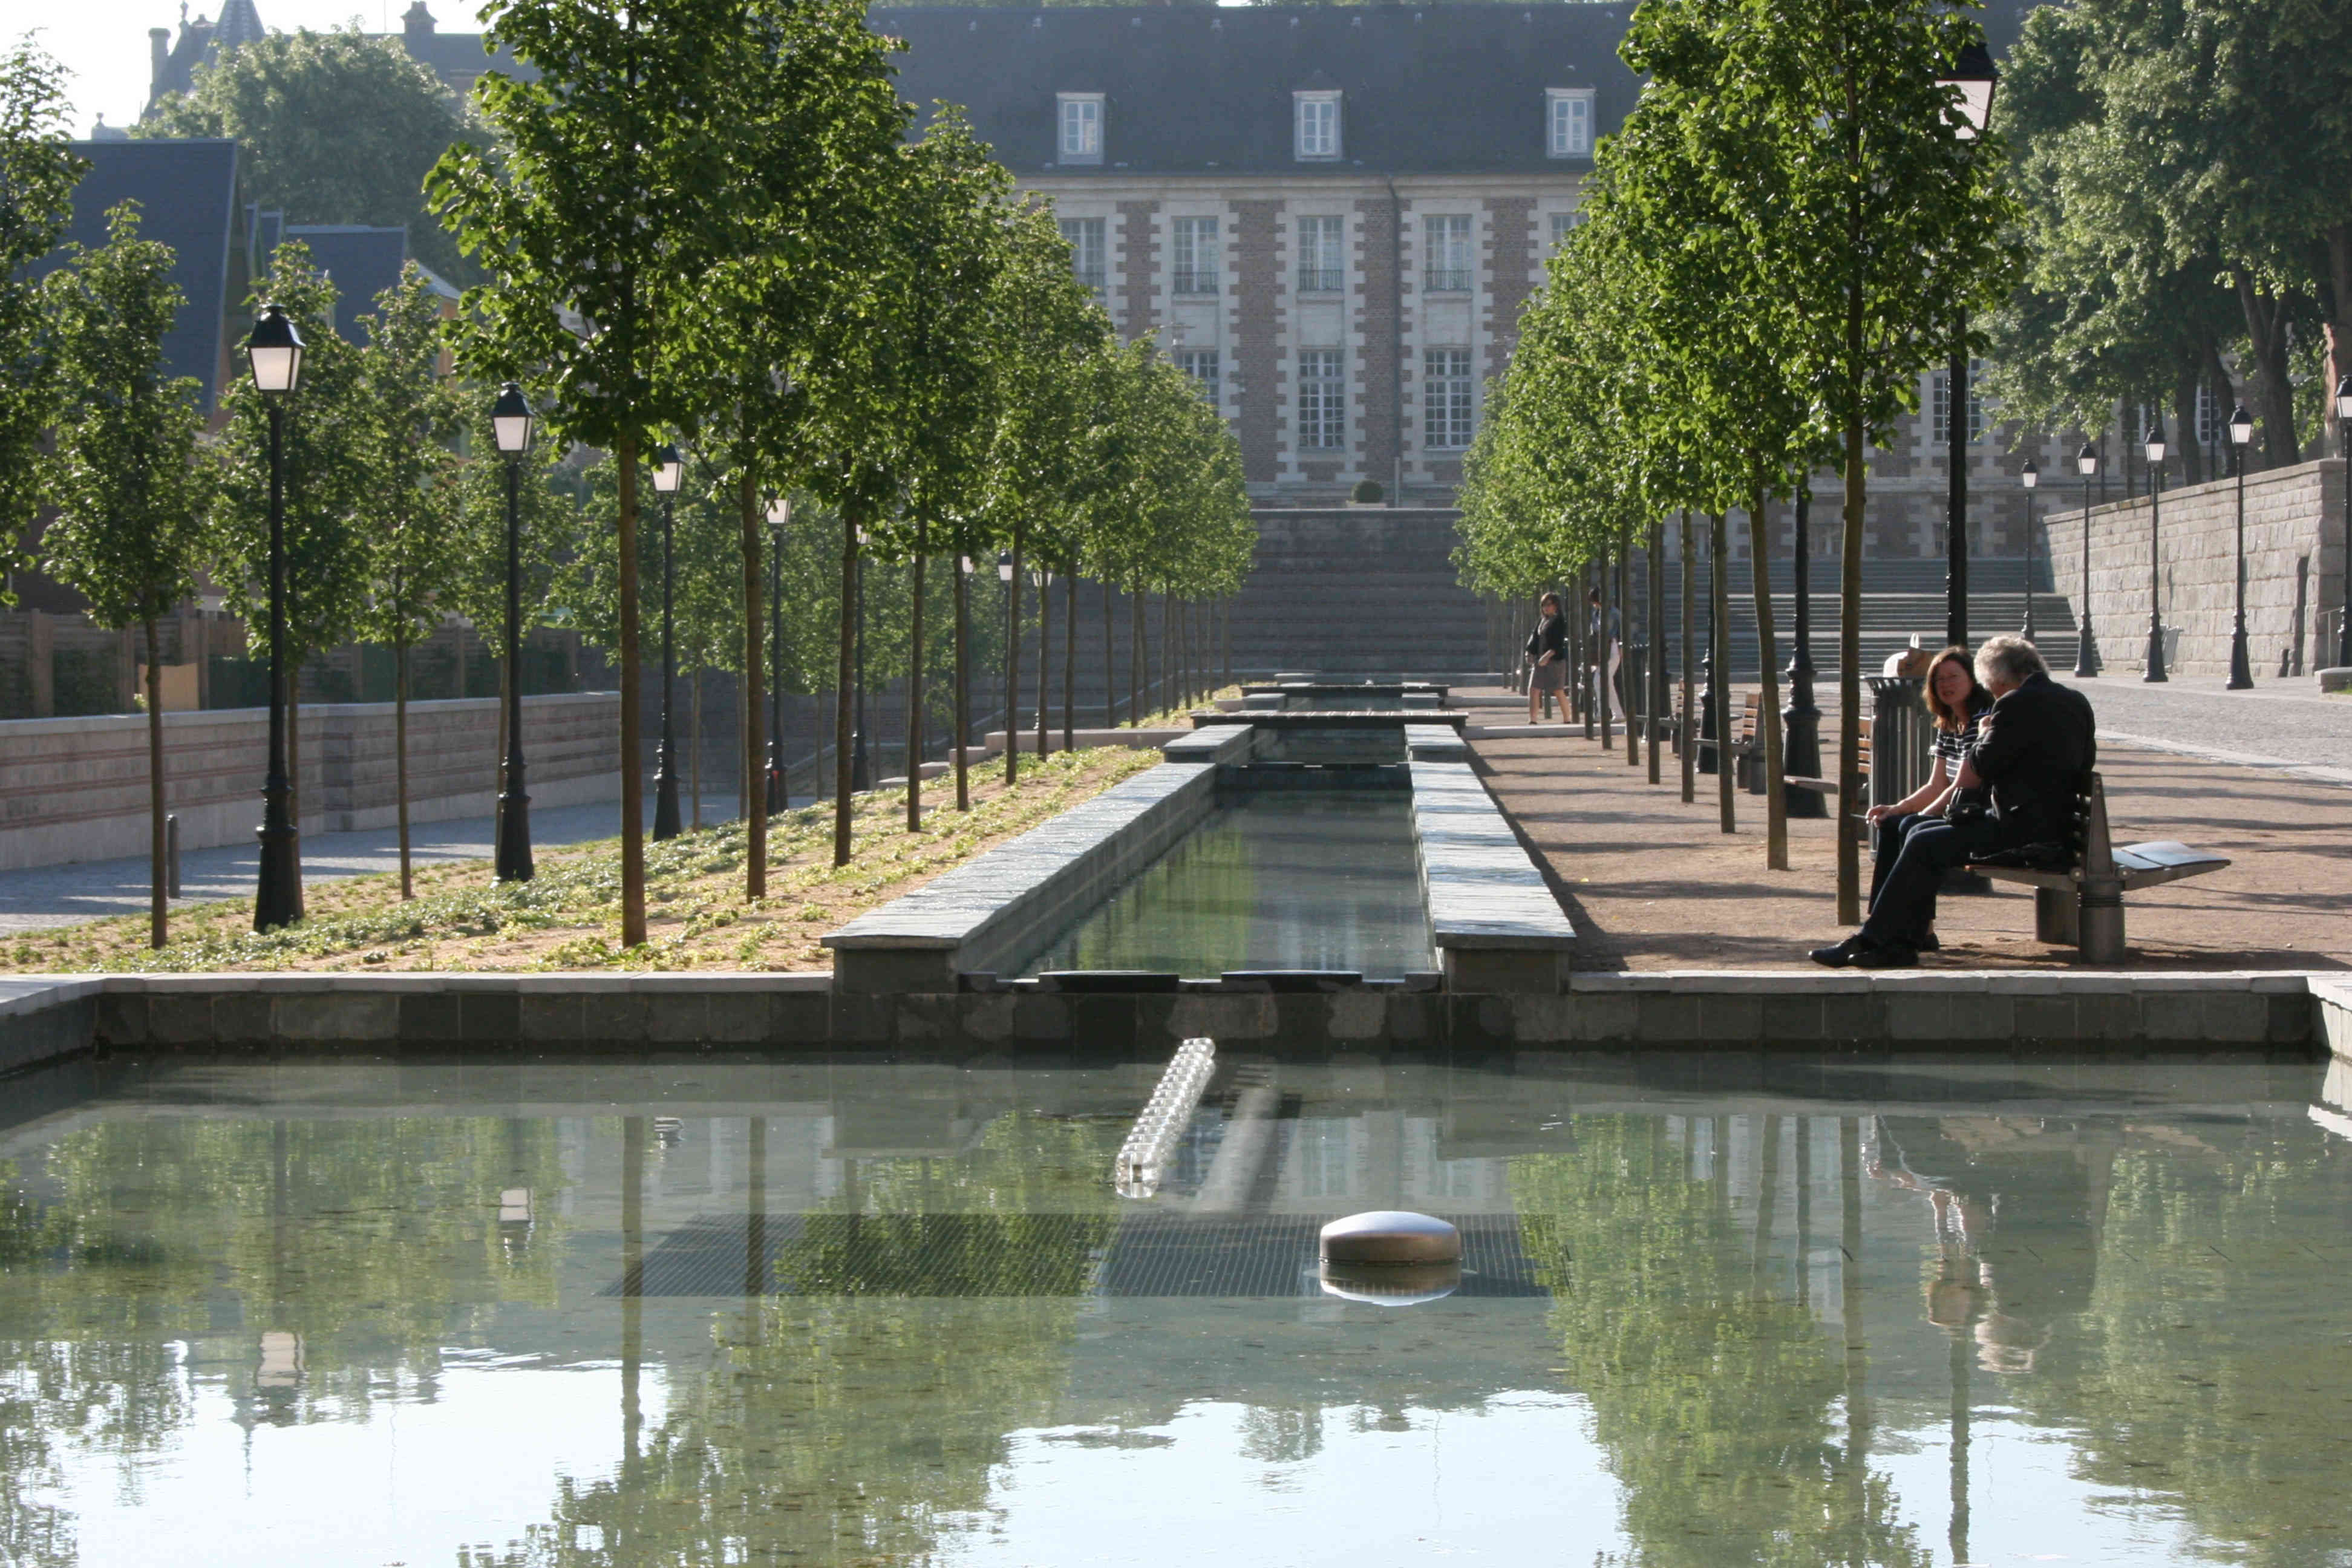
(1957, 704)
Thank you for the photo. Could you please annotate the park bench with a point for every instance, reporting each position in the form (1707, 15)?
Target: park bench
(2079, 886)
(1829, 756)
(1745, 748)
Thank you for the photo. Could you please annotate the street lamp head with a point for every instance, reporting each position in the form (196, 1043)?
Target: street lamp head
(963, 564)
(2087, 461)
(2344, 398)
(1974, 78)
(2031, 475)
(2241, 427)
(669, 469)
(2155, 445)
(510, 421)
(779, 512)
(1004, 566)
(274, 349)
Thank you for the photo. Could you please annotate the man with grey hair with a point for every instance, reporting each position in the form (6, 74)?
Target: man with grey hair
(2015, 794)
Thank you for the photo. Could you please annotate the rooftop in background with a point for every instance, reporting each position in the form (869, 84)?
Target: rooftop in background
(456, 57)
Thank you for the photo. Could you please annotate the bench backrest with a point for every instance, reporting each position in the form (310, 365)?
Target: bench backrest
(2093, 850)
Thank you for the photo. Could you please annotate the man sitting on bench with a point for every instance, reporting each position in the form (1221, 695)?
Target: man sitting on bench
(2037, 743)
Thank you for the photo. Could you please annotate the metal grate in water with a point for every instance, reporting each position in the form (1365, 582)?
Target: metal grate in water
(1060, 1255)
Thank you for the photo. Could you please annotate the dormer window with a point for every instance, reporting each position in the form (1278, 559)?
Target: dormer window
(1568, 122)
(1317, 116)
(1082, 127)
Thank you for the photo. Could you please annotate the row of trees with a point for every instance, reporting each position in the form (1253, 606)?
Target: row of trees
(1791, 225)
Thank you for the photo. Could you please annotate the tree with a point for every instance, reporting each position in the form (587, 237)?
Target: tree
(38, 172)
(330, 127)
(600, 221)
(130, 496)
(411, 420)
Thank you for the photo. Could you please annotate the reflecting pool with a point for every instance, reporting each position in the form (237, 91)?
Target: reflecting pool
(1309, 879)
(717, 1310)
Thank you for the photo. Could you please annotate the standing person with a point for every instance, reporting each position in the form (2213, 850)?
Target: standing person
(1958, 702)
(2033, 748)
(1548, 659)
(1613, 638)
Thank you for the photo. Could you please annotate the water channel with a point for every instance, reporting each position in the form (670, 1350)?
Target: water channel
(716, 1310)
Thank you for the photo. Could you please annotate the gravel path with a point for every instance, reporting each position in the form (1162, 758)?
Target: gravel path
(45, 895)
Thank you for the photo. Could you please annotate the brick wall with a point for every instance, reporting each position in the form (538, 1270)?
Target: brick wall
(1375, 327)
(1138, 266)
(1510, 259)
(1257, 336)
(2295, 553)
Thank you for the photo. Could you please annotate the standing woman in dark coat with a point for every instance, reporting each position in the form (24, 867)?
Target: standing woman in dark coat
(1547, 654)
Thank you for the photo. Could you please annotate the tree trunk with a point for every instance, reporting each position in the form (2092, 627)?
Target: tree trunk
(1605, 644)
(1767, 716)
(1110, 663)
(632, 782)
(1653, 677)
(1069, 660)
(962, 682)
(1044, 666)
(1685, 730)
(844, 683)
(2266, 327)
(1719, 601)
(1013, 668)
(1137, 647)
(400, 760)
(2339, 328)
(915, 681)
(755, 670)
(694, 744)
(2184, 415)
(159, 919)
(1625, 639)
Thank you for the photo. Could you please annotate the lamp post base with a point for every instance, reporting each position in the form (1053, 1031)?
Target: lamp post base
(2241, 673)
(666, 818)
(861, 767)
(1801, 743)
(2087, 654)
(779, 794)
(277, 895)
(2155, 675)
(513, 861)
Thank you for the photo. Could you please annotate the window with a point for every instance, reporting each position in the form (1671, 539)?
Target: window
(2212, 419)
(1940, 405)
(1568, 122)
(1082, 127)
(1322, 261)
(1565, 224)
(1084, 235)
(1200, 364)
(1448, 257)
(1322, 400)
(1318, 124)
(1196, 255)
(1446, 398)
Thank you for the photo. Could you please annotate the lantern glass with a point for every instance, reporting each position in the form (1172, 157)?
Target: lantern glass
(2344, 398)
(780, 511)
(273, 349)
(2241, 427)
(669, 470)
(1975, 79)
(1004, 566)
(510, 421)
(2087, 461)
(2031, 475)
(2156, 448)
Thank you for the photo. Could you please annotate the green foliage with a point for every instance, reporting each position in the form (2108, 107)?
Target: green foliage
(37, 171)
(409, 415)
(130, 496)
(330, 127)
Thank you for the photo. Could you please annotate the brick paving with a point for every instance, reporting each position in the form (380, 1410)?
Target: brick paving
(1653, 884)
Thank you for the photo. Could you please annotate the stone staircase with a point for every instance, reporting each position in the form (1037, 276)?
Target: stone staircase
(1358, 591)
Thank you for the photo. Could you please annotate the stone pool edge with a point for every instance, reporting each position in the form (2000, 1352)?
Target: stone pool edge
(45, 1020)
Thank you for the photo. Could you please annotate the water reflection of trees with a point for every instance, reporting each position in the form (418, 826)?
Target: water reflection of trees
(1737, 1431)
(338, 1247)
(854, 1427)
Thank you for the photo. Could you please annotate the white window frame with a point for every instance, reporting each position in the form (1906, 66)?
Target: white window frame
(1322, 400)
(1313, 276)
(1448, 400)
(1195, 254)
(1079, 127)
(1564, 224)
(1568, 122)
(1317, 128)
(1450, 253)
(1083, 234)
(1206, 368)
(1939, 401)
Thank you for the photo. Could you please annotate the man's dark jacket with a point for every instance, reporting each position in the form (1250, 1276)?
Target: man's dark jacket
(2040, 741)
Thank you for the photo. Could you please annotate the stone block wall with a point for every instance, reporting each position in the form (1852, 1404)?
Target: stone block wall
(2294, 569)
(75, 789)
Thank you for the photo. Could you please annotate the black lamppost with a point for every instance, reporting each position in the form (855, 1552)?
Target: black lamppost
(1004, 575)
(780, 519)
(2032, 477)
(1800, 744)
(2155, 450)
(2343, 441)
(274, 351)
(1974, 79)
(2242, 435)
(669, 470)
(861, 766)
(2086, 647)
(510, 422)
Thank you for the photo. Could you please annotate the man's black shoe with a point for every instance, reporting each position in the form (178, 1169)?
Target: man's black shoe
(1893, 955)
(1844, 952)
(1929, 943)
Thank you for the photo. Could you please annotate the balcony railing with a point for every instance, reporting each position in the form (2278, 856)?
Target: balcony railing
(1188, 282)
(1322, 279)
(1449, 280)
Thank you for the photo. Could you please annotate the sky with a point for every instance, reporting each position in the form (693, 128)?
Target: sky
(104, 42)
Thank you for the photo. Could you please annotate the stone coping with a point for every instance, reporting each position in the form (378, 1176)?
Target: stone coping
(1435, 743)
(1218, 743)
(1481, 887)
(196, 718)
(1328, 718)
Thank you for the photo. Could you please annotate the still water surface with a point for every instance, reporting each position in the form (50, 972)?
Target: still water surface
(723, 1311)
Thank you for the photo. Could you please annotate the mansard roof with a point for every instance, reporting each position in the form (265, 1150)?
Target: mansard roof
(1207, 88)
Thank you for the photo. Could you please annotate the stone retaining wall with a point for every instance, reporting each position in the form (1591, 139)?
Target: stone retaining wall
(75, 789)
(2294, 567)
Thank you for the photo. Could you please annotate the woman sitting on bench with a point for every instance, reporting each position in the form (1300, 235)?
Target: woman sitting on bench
(1958, 703)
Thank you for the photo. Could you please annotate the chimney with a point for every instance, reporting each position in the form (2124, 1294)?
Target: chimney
(416, 23)
(159, 55)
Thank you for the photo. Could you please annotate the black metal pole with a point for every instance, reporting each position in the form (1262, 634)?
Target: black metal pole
(1955, 549)
(514, 864)
(2155, 671)
(666, 824)
(278, 898)
(2343, 630)
(1800, 745)
(2242, 675)
(2086, 646)
(861, 766)
(779, 787)
(2029, 563)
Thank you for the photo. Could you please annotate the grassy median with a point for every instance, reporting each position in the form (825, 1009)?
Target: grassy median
(569, 917)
